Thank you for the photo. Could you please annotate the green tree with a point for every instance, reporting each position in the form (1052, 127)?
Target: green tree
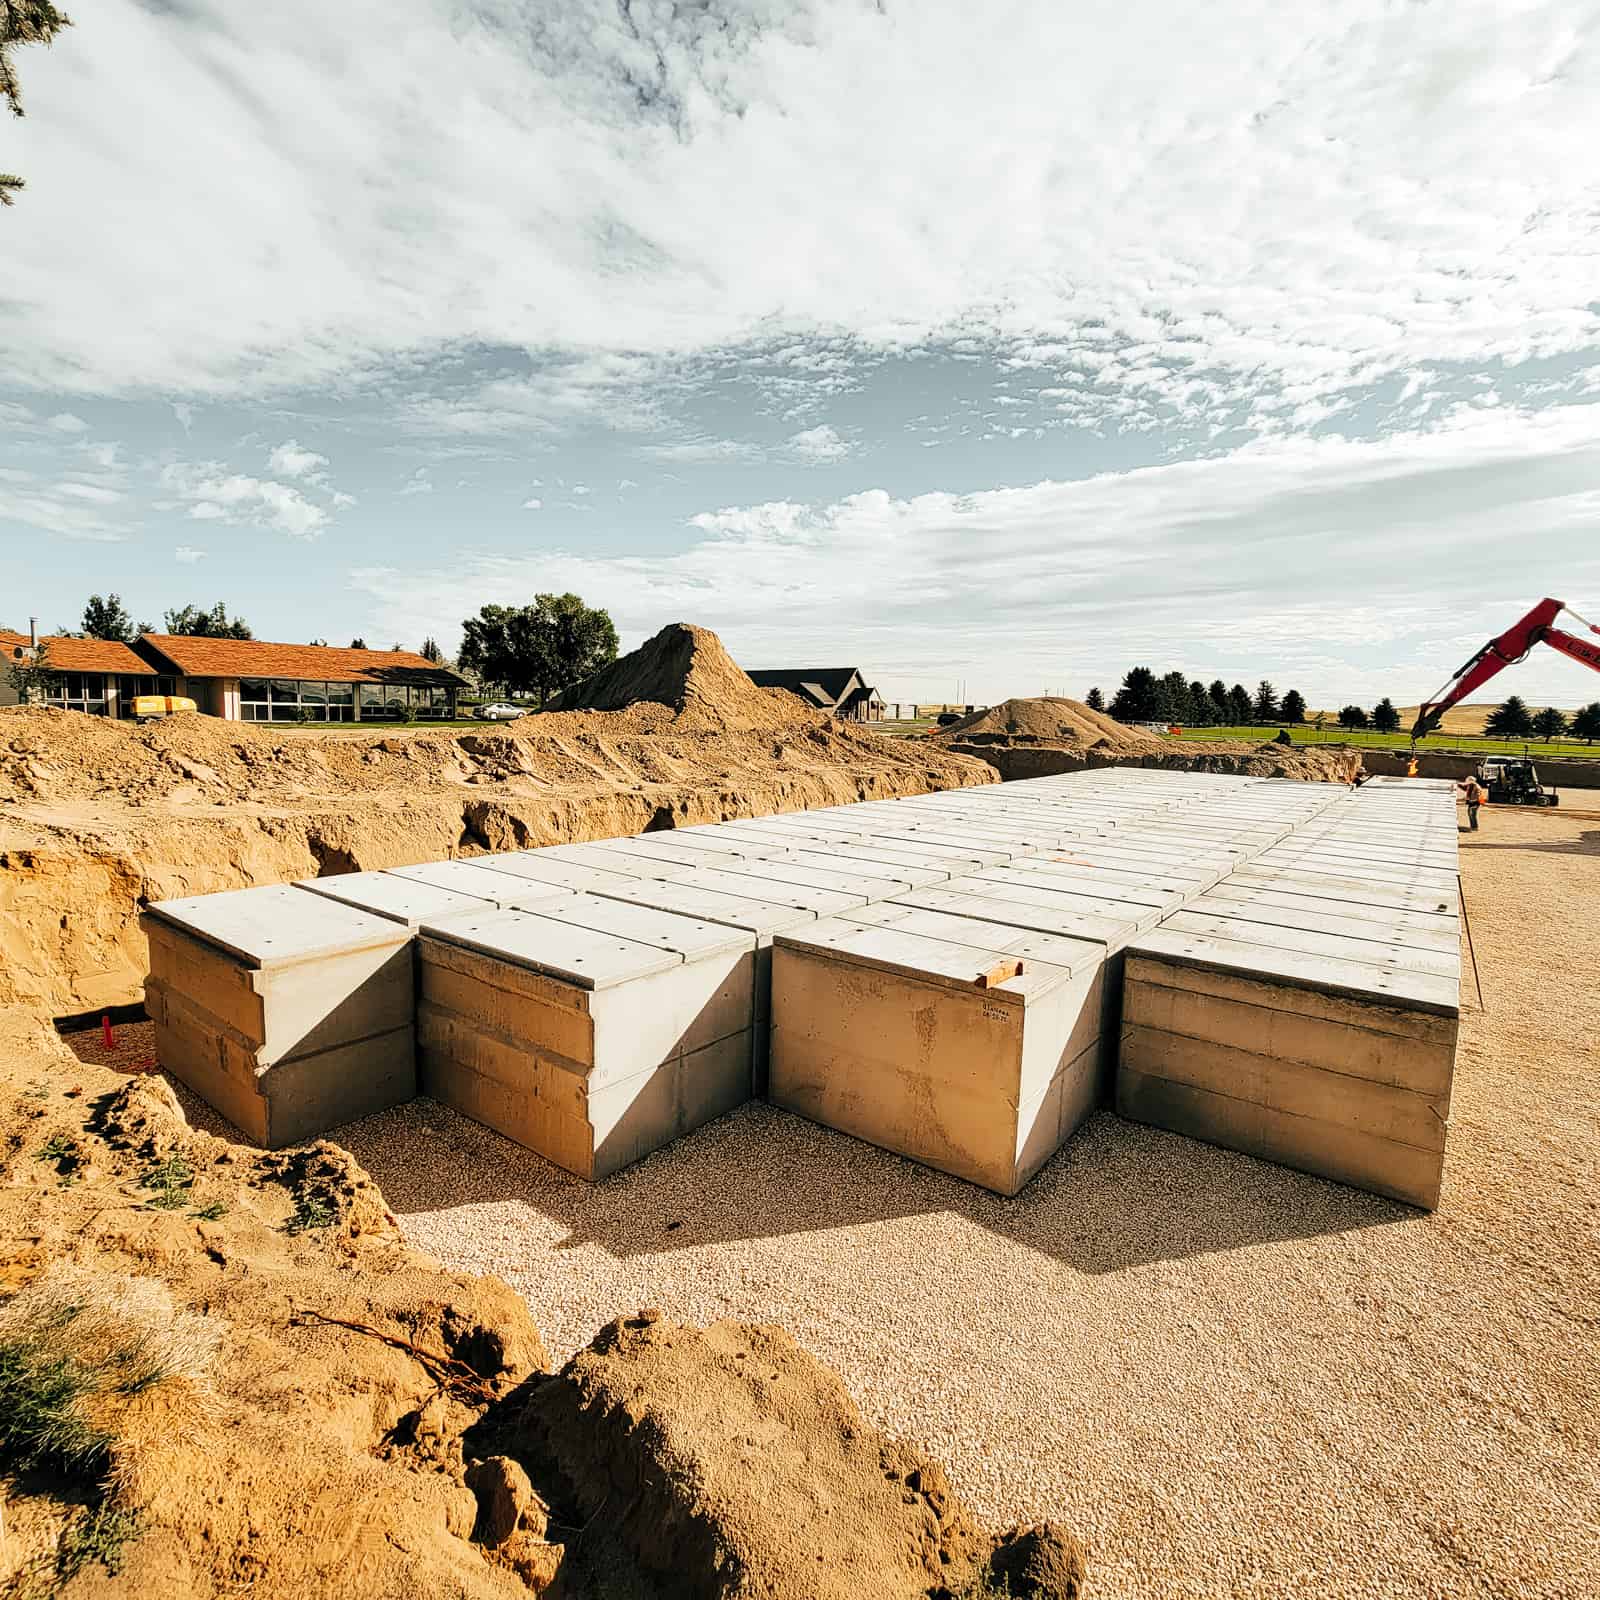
(543, 647)
(22, 22)
(30, 672)
(1549, 723)
(1352, 717)
(1199, 704)
(1586, 723)
(1240, 706)
(1095, 700)
(1292, 708)
(320, 643)
(1512, 720)
(430, 650)
(1221, 708)
(1139, 698)
(1320, 721)
(212, 624)
(358, 644)
(1175, 698)
(1385, 718)
(106, 619)
(1265, 705)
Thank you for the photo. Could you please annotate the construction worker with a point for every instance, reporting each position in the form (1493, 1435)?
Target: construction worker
(1476, 795)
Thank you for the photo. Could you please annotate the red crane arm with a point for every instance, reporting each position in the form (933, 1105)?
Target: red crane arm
(1502, 651)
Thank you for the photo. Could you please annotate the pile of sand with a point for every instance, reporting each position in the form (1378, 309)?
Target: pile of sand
(686, 670)
(1049, 735)
(1052, 718)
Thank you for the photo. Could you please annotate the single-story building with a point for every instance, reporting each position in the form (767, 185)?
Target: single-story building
(244, 680)
(840, 691)
(99, 676)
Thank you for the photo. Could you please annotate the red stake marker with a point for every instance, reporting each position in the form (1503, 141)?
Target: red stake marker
(107, 1037)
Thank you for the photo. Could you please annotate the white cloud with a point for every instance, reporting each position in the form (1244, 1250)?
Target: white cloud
(534, 503)
(1299, 197)
(66, 422)
(214, 494)
(184, 413)
(581, 488)
(418, 483)
(819, 444)
(1221, 566)
(292, 460)
(188, 555)
(71, 509)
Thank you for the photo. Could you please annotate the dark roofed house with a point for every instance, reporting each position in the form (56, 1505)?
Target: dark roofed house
(249, 680)
(840, 691)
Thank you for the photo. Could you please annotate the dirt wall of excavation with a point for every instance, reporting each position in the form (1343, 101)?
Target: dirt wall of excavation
(98, 818)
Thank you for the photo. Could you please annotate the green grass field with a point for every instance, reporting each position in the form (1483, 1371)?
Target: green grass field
(1366, 740)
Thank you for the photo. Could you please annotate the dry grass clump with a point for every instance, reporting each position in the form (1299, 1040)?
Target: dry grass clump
(78, 1347)
(104, 1335)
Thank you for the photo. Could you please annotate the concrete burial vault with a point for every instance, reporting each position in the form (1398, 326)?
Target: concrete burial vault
(960, 977)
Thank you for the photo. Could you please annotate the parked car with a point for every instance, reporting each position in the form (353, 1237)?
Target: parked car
(499, 711)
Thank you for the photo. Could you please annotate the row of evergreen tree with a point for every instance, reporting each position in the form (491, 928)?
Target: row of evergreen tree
(1175, 698)
(1178, 700)
(1514, 720)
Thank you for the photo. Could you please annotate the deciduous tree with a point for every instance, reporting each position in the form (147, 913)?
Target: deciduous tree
(30, 672)
(106, 619)
(1352, 717)
(1586, 723)
(212, 624)
(543, 647)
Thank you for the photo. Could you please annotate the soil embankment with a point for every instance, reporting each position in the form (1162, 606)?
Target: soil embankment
(1041, 737)
(98, 817)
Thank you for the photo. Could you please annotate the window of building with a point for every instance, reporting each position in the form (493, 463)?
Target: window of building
(80, 691)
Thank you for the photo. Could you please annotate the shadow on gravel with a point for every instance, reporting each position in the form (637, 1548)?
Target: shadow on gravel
(1118, 1195)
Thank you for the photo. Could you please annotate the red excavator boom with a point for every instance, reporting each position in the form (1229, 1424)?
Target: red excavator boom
(1512, 645)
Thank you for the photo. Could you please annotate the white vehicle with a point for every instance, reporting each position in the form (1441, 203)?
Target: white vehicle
(499, 711)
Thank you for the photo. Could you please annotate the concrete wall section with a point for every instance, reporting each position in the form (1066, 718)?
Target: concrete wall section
(594, 1031)
(1305, 1010)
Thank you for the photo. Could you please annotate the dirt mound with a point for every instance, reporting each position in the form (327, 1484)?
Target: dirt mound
(687, 670)
(730, 1451)
(1042, 737)
(273, 1395)
(1053, 718)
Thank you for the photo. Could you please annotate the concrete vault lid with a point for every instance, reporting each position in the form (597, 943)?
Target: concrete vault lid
(278, 924)
(1333, 972)
(387, 895)
(748, 913)
(966, 968)
(591, 941)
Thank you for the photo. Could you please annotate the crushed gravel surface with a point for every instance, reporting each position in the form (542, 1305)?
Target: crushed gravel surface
(1230, 1378)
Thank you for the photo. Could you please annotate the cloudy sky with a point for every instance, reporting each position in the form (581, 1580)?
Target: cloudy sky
(1250, 338)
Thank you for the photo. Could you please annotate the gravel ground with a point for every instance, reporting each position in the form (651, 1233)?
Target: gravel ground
(1232, 1379)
